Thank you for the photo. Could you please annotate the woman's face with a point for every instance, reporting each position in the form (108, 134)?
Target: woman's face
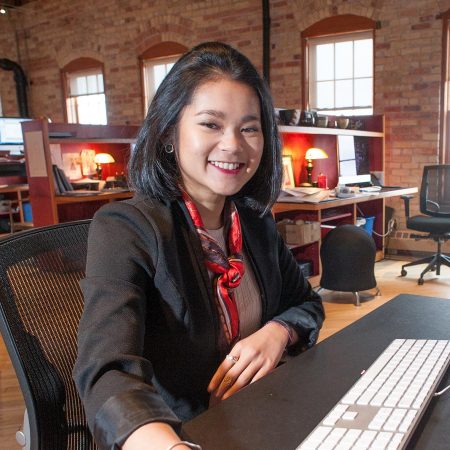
(219, 140)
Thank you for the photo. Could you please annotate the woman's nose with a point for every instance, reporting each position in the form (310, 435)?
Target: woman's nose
(231, 141)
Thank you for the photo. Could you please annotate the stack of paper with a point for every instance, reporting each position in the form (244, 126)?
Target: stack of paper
(304, 194)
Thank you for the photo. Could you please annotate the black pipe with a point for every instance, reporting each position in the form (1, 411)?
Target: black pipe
(266, 40)
(21, 85)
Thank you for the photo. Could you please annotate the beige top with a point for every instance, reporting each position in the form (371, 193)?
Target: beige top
(247, 295)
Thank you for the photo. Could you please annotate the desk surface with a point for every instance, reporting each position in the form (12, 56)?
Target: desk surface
(280, 410)
(95, 197)
(289, 204)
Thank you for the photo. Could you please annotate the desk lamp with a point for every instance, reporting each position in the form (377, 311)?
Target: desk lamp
(312, 153)
(102, 158)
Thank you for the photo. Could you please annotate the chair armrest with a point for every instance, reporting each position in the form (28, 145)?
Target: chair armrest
(406, 199)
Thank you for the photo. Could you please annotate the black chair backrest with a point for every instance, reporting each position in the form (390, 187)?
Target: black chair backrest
(435, 191)
(40, 307)
(348, 254)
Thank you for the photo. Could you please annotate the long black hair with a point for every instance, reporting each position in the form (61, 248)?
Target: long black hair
(154, 172)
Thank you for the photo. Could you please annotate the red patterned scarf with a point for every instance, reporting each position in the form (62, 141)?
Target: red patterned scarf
(228, 270)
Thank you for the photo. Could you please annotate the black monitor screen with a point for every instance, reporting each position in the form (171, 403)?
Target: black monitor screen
(354, 164)
(11, 130)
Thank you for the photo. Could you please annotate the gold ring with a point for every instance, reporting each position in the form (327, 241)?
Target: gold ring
(227, 381)
(233, 359)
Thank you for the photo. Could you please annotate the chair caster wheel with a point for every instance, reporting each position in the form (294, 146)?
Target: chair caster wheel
(403, 273)
(420, 281)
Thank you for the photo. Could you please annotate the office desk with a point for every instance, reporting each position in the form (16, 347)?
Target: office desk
(337, 212)
(289, 203)
(280, 410)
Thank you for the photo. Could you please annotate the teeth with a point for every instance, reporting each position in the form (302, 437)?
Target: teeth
(224, 165)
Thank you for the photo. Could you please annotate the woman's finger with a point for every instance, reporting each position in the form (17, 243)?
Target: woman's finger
(230, 360)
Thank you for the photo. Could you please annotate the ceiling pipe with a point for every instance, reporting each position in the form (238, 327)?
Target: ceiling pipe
(21, 85)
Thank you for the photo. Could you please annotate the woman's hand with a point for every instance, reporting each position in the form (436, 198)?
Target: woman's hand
(254, 357)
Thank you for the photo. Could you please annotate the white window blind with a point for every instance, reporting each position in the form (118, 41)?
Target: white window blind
(86, 102)
(341, 73)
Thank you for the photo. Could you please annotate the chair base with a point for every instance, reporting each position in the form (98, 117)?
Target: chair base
(356, 294)
(434, 264)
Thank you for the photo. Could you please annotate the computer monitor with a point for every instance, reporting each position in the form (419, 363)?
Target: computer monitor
(11, 130)
(354, 164)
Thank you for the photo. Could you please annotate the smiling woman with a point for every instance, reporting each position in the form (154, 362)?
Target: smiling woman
(202, 296)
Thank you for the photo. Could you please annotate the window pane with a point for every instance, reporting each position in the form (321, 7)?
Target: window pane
(364, 58)
(344, 93)
(92, 84)
(71, 110)
(363, 92)
(159, 72)
(154, 73)
(344, 60)
(324, 62)
(100, 83)
(80, 86)
(92, 109)
(325, 94)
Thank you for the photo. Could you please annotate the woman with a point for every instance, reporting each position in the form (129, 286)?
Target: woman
(190, 292)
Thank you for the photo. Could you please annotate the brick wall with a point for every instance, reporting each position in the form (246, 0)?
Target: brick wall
(51, 33)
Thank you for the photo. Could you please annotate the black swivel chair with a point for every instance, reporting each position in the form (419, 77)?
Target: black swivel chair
(348, 254)
(435, 205)
(40, 307)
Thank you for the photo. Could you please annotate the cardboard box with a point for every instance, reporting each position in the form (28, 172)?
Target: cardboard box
(299, 234)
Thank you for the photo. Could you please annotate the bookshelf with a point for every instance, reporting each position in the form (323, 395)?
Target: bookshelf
(296, 141)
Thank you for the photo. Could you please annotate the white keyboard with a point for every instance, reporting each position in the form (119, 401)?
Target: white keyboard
(383, 407)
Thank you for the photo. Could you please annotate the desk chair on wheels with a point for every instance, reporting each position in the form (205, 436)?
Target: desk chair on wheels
(435, 207)
(40, 307)
(348, 254)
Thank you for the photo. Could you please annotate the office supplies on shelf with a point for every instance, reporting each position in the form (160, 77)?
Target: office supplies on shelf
(384, 406)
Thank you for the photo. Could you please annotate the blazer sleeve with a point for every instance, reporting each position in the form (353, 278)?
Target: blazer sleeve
(300, 307)
(111, 374)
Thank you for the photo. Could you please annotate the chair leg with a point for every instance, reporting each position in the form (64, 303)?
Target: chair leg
(357, 300)
(433, 263)
(415, 263)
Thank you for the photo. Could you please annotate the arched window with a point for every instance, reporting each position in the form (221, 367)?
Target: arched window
(84, 91)
(338, 70)
(156, 63)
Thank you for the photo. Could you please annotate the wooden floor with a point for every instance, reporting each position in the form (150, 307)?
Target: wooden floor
(339, 309)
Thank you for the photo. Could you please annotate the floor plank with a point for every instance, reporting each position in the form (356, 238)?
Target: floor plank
(339, 309)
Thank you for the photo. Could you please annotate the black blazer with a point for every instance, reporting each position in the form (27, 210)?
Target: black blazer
(148, 335)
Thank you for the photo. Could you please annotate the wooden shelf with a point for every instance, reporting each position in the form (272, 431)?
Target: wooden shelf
(335, 217)
(72, 140)
(329, 131)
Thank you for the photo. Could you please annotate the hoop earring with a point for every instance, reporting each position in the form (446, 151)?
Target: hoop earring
(168, 148)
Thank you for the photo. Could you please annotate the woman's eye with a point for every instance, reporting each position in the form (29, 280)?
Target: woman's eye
(211, 125)
(250, 130)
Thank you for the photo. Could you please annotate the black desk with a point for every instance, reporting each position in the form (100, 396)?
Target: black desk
(280, 410)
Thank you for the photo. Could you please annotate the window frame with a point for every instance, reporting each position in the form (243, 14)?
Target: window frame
(444, 125)
(312, 45)
(80, 65)
(160, 51)
(335, 26)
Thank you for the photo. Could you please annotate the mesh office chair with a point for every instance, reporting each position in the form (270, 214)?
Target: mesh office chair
(348, 254)
(435, 204)
(40, 307)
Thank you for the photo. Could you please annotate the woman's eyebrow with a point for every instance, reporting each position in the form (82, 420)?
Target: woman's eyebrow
(221, 115)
